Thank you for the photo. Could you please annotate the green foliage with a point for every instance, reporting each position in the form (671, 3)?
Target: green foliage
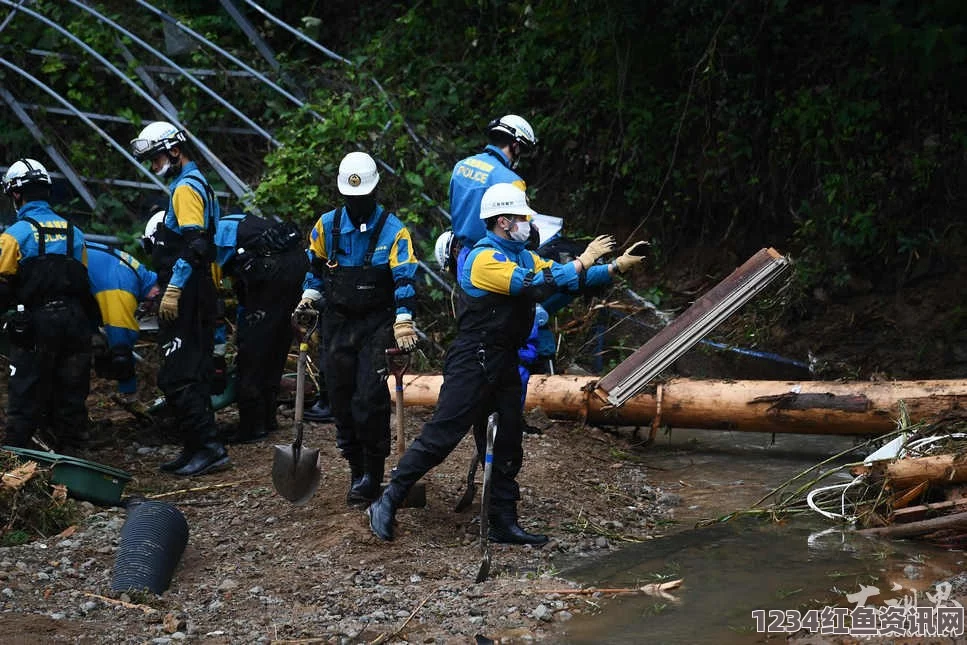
(834, 132)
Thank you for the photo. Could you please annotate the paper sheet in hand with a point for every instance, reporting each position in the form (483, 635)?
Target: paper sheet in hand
(548, 226)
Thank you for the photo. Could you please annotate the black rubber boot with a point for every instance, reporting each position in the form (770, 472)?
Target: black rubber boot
(251, 424)
(210, 457)
(271, 408)
(505, 530)
(320, 412)
(365, 490)
(178, 462)
(356, 473)
(382, 512)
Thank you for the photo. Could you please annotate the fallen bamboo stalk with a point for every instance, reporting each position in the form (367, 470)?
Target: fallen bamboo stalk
(382, 638)
(809, 407)
(913, 529)
(199, 489)
(650, 589)
(127, 605)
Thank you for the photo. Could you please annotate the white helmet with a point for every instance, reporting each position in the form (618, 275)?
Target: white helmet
(156, 137)
(22, 172)
(515, 127)
(357, 174)
(504, 199)
(147, 240)
(442, 249)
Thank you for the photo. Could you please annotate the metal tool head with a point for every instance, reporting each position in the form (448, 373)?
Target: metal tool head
(296, 472)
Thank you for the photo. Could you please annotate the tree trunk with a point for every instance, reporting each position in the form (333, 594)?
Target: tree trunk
(912, 529)
(807, 407)
(935, 469)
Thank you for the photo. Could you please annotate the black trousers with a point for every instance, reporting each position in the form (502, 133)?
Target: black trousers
(268, 289)
(355, 366)
(186, 345)
(477, 380)
(50, 375)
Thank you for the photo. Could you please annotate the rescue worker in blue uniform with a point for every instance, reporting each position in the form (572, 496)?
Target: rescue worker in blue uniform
(183, 251)
(361, 278)
(119, 283)
(43, 274)
(499, 286)
(508, 139)
(266, 263)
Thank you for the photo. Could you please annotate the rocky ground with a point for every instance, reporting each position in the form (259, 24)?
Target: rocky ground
(258, 569)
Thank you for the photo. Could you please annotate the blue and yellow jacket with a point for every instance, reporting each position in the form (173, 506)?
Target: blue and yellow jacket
(42, 260)
(193, 210)
(471, 177)
(119, 282)
(500, 285)
(19, 241)
(393, 250)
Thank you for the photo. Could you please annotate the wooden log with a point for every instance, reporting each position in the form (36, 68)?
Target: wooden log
(920, 512)
(806, 407)
(913, 529)
(935, 469)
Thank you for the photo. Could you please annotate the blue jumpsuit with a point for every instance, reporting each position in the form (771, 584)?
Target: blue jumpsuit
(119, 282)
(366, 277)
(499, 286)
(43, 269)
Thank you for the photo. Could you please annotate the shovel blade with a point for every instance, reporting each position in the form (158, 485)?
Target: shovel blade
(484, 569)
(296, 472)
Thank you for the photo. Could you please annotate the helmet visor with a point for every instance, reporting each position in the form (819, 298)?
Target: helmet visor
(144, 149)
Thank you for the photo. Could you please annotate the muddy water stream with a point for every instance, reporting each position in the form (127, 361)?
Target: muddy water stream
(731, 569)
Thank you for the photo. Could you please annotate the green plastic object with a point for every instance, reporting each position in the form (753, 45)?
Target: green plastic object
(85, 480)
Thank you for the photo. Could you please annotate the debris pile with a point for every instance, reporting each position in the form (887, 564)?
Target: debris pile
(912, 485)
(30, 505)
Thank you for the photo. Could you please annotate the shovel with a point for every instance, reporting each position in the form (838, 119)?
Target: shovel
(485, 500)
(396, 362)
(471, 490)
(295, 469)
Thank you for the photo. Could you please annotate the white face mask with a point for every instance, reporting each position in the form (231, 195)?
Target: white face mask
(161, 172)
(521, 232)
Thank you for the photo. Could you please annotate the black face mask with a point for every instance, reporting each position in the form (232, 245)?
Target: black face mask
(360, 207)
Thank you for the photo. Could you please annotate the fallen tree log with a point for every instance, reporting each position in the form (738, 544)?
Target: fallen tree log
(917, 513)
(935, 469)
(806, 407)
(912, 529)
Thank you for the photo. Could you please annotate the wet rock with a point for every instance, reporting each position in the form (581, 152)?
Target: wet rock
(542, 612)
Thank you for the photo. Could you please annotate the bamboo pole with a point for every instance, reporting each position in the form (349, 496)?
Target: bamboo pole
(806, 407)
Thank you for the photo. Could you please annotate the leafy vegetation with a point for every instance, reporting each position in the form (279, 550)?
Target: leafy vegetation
(833, 131)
